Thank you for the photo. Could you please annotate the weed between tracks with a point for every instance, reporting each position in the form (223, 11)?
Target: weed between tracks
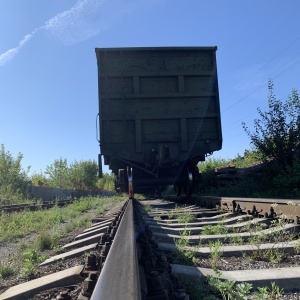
(186, 218)
(230, 290)
(183, 255)
(6, 270)
(245, 232)
(273, 232)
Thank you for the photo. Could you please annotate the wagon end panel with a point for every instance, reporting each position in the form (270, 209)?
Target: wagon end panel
(159, 107)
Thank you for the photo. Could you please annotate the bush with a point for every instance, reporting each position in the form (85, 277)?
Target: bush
(13, 179)
(277, 132)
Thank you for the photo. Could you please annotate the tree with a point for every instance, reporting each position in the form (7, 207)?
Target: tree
(79, 175)
(39, 179)
(59, 174)
(277, 132)
(106, 182)
(13, 179)
(83, 175)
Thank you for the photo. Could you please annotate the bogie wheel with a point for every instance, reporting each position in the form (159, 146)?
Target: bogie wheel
(177, 189)
(188, 182)
(188, 190)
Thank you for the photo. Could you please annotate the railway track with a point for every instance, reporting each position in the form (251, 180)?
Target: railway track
(165, 250)
(35, 206)
(254, 246)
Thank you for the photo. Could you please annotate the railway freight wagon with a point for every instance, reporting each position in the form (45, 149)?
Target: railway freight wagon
(159, 115)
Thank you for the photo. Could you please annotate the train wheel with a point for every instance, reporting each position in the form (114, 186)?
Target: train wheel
(157, 193)
(188, 182)
(177, 189)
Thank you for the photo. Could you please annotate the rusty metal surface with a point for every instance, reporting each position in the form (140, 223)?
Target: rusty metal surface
(256, 206)
(119, 278)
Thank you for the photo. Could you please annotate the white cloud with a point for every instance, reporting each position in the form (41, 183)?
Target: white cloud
(87, 18)
(72, 25)
(11, 53)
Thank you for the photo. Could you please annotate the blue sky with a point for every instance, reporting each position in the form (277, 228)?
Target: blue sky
(48, 68)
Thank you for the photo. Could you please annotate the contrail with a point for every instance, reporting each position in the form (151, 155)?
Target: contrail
(11, 53)
(79, 23)
(87, 18)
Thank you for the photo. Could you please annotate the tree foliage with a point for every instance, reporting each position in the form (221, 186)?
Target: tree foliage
(277, 138)
(39, 179)
(59, 174)
(276, 134)
(106, 182)
(13, 179)
(80, 175)
(83, 175)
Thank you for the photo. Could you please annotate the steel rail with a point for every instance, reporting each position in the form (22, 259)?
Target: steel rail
(119, 278)
(34, 206)
(264, 207)
(258, 206)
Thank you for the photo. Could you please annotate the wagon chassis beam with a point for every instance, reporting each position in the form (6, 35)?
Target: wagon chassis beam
(138, 167)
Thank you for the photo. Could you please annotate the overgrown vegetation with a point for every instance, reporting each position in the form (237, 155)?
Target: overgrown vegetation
(251, 184)
(13, 179)
(55, 223)
(276, 134)
(275, 145)
(216, 251)
(182, 254)
(214, 229)
(186, 218)
(79, 175)
(230, 289)
(276, 138)
(75, 176)
(6, 270)
(31, 258)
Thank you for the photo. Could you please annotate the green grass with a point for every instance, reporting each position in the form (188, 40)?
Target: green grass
(147, 207)
(31, 258)
(249, 159)
(10, 199)
(6, 270)
(49, 226)
(182, 255)
(186, 218)
(19, 224)
(214, 229)
(272, 182)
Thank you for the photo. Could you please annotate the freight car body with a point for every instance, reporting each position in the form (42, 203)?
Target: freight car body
(159, 115)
